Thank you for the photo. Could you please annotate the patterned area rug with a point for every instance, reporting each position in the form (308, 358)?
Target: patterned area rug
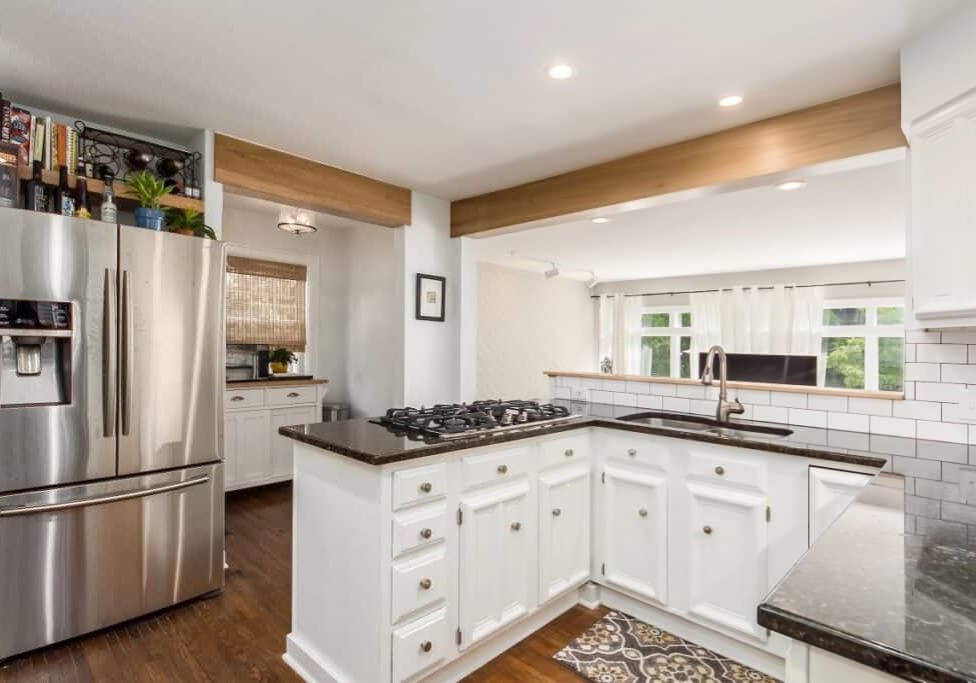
(621, 649)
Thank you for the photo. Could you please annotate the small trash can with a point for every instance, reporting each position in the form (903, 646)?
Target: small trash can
(333, 412)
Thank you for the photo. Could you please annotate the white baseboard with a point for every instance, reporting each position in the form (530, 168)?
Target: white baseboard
(304, 662)
(590, 595)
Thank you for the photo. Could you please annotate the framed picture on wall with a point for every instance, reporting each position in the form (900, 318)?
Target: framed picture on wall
(430, 297)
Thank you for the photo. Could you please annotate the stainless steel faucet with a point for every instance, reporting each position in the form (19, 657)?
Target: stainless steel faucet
(725, 407)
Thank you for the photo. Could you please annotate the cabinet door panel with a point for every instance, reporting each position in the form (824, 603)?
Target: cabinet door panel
(497, 544)
(727, 562)
(635, 532)
(830, 492)
(564, 530)
(252, 446)
(231, 439)
(281, 447)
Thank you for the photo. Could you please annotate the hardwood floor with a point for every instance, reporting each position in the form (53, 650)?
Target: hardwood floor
(240, 634)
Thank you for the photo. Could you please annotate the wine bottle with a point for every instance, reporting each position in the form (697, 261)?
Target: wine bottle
(110, 212)
(64, 203)
(35, 196)
(81, 204)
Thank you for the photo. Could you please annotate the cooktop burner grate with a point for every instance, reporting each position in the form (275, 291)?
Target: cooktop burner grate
(464, 419)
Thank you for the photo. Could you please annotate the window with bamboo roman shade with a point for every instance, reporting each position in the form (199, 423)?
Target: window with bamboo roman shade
(265, 303)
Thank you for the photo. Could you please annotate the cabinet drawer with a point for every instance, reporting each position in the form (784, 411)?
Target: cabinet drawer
(418, 584)
(420, 645)
(638, 451)
(493, 466)
(563, 451)
(243, 398)
(416, 528)
(719, 468)
(418, 484)
(283, 396)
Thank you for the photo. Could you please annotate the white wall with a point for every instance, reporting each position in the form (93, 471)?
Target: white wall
(430, 363)
(527, 325)
(328, 249)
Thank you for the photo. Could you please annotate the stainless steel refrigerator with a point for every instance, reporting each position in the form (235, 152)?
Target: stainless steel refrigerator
(111, 483)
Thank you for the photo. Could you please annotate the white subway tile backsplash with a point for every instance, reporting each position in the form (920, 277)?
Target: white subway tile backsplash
(965, 374)
(892, 426)
(562, 392)
(833, 403)
(600, 396)
(941, 353)
(869, 406)
(690, 391)
(637, 387)
(649, 402)
(917, 410)
(681, 405)
(776, 414)
(972, 354)
(909, 389)
(922, 372)
(942, 431)
(624, 399)
(848, 422)
(702, 407)
(913, 467)
(959, 337)
(757, 398)
(911, 353)
(936, 391)
(942, 450)
(787, 399)
(663, 389)
(922, 337)
(808, 418)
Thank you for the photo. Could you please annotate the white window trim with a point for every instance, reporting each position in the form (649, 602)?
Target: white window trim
(871, 331)
(675, 333)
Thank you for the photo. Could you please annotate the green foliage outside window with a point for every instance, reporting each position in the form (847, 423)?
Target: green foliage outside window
(844, 316)
(656, 320)
(845, 362)
(891, 365)
(656, 356)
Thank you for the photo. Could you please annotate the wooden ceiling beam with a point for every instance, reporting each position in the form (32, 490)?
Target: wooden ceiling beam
(265, 173)
(859, 124)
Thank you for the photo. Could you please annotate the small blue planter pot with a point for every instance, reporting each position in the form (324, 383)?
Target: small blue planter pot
(152, 219)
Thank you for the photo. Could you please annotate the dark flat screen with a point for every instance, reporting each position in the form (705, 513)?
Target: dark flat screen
(771, 368)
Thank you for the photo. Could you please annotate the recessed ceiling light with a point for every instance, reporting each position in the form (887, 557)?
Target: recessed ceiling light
(560, 71)
(730, 101)
(790, 185)
(601, 219)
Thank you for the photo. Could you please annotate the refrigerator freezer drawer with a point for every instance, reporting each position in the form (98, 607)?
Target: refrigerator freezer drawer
(80, 558)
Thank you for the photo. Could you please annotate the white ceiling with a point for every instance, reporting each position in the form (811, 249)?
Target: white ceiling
(846, 217)
(271, 210)
(449, 97)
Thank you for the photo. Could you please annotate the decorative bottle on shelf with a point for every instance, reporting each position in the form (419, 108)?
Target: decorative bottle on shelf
(81, 205)
(64, 203)
(110, 212)
(35, 197)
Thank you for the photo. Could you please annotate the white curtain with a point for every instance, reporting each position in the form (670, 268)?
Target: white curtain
(605, 323)
(782, 320)
(620, 331)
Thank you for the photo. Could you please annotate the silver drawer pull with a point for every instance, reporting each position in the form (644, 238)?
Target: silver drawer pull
(236, 398)
(632, 452)
(502, 469)
(642, 512)
(426, 487)
(707, 529)
(426, 533)
(719, 470)
(556, 512)
(111, 498)
(425, 584)
(293, 394)
(516, 526)
(426, 645)
(568, 452)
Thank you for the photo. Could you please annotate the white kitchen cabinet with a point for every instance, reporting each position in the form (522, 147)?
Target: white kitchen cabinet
(281, 446)
(498, 545)
(564, 529)
(726, 563)
(831, 490)
(246, 440)
(942, 225)
(635, 531)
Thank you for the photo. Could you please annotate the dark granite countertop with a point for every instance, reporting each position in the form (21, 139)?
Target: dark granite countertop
(374, 444)
(868, 590)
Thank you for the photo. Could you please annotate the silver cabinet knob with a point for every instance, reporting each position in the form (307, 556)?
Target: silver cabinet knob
(236, 398)
(502, 469)
(632, 452)
(642, 512)
(516, 526)
(556, 512)
(425, 584)
(719, 470)
(568, 452)
(426, 533)
(426, 646)
(293, 394)
(426, 487)
(707, 529)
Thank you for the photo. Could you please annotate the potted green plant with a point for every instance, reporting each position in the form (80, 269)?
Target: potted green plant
(149, 190)
(280, 359)
(188, 222)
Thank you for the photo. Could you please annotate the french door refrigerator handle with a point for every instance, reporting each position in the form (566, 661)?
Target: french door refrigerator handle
(113, 498)
(109, 360)
(127, 334)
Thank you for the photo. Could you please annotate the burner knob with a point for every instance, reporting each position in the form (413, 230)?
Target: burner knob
(426, 487)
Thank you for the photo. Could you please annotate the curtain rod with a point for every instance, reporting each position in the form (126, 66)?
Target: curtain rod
(766, 287)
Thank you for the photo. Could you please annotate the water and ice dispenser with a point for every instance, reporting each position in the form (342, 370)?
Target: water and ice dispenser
(35, 352)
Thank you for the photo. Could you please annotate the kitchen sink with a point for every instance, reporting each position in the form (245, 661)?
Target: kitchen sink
(707, 425)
